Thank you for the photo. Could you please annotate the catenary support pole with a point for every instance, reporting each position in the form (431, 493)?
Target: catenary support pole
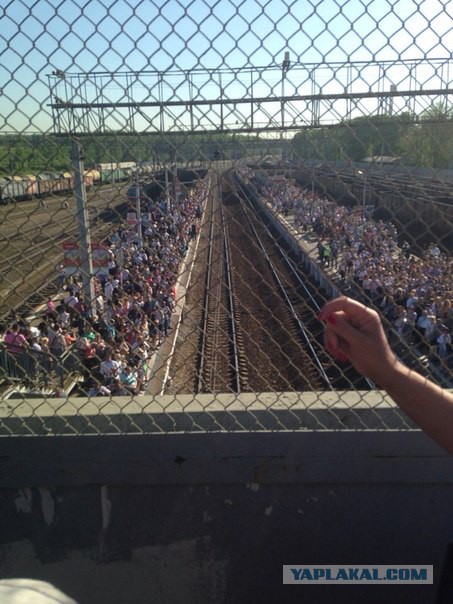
(138, 209)
(86, 261)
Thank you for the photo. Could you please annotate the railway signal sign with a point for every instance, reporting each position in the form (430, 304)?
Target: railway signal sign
(131, 218)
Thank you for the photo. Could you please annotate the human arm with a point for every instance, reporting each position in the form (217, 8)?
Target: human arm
(354, 332)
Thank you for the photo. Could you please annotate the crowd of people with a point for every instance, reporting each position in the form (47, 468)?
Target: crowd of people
(113, 338)
(414, 293)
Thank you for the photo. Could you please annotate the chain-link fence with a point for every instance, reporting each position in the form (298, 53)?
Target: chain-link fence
(183, 187)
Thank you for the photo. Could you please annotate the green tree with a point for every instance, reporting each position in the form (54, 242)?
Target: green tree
(356, 139)
(436, 133)
(321, 144)
(374, 136)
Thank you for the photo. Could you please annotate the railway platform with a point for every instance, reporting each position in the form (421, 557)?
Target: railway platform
(159, 377)
(158, 411)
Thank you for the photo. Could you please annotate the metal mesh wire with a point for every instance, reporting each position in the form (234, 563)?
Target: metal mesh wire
(306, 145)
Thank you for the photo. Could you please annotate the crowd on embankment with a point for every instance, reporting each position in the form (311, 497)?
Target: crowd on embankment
(134, 302)
(414, 293)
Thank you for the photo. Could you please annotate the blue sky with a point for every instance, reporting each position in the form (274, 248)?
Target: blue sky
(37, 37)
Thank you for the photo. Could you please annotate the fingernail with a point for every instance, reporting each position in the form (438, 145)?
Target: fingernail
(331, 319)
(320, 316)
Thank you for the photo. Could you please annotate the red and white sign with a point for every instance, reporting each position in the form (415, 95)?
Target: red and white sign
(99, 256)
(71, 255)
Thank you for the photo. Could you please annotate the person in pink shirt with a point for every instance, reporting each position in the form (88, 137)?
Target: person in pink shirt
(16, 341)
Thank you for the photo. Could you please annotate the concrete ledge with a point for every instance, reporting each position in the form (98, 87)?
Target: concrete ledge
(347, 410)
(268, 458)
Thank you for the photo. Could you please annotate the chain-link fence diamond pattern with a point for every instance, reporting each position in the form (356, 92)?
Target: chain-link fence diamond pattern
(184, 185)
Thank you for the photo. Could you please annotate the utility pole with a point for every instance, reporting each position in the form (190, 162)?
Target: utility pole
(364, 174)
(167, 194)
(86, 261)
(175, 177)
(285, 67)
(138, 208)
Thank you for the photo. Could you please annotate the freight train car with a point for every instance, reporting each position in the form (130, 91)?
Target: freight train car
(14, 189)
(92, 177)
(115, 171)
(52, 183)
(20, 188)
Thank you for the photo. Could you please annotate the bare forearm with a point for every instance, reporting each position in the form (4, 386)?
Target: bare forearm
(354, 332)
(426, 403)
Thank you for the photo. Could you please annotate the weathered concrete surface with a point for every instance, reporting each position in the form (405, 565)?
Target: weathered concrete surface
(213, 517)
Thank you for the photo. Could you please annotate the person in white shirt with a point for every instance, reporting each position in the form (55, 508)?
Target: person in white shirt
(443, 342)
(35, 345)
(64, 318)
(108, 290)
(109, 368)
(71, 301)
(424, 323)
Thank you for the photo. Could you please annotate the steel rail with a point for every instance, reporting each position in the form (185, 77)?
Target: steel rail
(205, 309)
(283, 254)
(236, 378)
(245, 199)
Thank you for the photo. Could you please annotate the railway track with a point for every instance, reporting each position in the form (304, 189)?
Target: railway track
(299, 308)
(303, 299)
(281, 355)
(32, 248)
(250, 320)
(221, 357)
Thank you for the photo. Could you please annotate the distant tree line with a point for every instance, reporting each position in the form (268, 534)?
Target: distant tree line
(425, 140)
(23, 154)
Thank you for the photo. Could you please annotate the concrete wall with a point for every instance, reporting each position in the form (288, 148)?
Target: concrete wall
(203, 517)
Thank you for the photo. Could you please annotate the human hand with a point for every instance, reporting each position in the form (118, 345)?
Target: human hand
(354, 332)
